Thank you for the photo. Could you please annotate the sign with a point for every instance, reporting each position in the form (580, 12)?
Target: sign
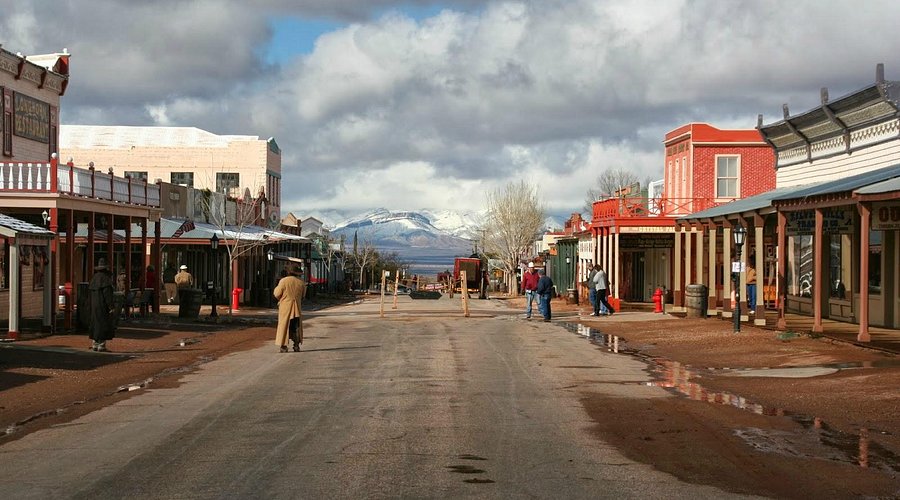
(646, 229)
(835, 220)
(886, 216)
(737, 267)
(646, 241)
(32, 118)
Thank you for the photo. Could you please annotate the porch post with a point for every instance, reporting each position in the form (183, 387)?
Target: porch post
(781, 282)
(157, 261)
(712, 307)
(699, 260)
(759, 308)
(618, 264)
(862, 313)
(90, 247)
(49, 291)
(688, 256)
(726, 270)
(70, 268)
(128, 271)
(15, 285)
(817, 272)
(677, 262)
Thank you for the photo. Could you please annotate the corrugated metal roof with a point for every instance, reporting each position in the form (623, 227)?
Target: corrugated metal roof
(201, 231)
(880, 187)
(122, 137)
(22, 227)
(843, 185)
(756, 202)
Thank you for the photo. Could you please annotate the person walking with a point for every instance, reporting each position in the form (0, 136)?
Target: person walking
(149, 292)
(592, 290)
(544, 291)
(529, 284)
(103, 309)
(183, 281)
(169, 283)
(290, 293)
(601, 283)
(751, 286)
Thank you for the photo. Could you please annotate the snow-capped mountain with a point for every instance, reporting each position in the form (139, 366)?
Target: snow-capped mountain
(387, 229)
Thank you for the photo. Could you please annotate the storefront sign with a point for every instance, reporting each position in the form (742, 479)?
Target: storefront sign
(647, 229)
(646, 241)
(886, 216)
(32, 118)
(835, 220)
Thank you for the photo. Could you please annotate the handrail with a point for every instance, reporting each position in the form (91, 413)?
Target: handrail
(66, 179)
(640, 206)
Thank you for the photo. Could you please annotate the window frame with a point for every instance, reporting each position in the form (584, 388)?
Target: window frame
(736, 179)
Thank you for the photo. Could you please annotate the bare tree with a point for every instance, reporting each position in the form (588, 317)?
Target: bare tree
(364, 256)
(332, 254)
(514, 220)
(608, 184)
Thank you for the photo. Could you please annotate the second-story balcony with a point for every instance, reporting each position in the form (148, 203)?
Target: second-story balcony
(68, 180)
(640, 206)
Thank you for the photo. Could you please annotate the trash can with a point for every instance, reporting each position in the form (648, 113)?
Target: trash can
(189, 303)
(571, 296)
(696, 300)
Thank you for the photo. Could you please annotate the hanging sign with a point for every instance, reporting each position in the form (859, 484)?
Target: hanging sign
(835, 220)
(886, 216)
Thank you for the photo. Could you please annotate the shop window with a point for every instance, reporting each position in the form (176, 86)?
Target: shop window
(40, 261)
(875, 262)
(183, 178)
(141, 176)
(839, 266)
(228, 183)
(800, 265)
(7, 133)
(726, 176)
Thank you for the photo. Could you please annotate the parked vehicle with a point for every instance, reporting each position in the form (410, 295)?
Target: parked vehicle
(476, 276)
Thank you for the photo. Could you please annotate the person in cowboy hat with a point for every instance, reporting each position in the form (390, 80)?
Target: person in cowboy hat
(290, 292)
(183, 281)
(103, 321)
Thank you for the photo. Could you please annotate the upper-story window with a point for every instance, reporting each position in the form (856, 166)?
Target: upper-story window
(141, 176)
(228, 183)
(183, 178)
(727, 176)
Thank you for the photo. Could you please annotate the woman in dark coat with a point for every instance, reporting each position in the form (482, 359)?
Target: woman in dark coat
(103, 321)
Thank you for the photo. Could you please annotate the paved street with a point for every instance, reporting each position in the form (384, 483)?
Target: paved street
(423, 403)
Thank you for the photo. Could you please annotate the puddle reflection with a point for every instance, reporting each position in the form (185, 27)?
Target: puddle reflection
(817, 440)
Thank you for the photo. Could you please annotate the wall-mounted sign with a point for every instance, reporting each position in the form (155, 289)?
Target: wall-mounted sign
(886, 216)
(646, 241)
(32, 118)
(646, 229)
(835, 220)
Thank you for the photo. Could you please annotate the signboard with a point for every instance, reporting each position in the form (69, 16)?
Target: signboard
(836, 220)
(32, 118)
(646, 241)
(737, 267)
(886, 216)
(646, 229)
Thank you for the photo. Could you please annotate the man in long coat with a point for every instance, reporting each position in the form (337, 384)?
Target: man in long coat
(103, 326)
(290, 292)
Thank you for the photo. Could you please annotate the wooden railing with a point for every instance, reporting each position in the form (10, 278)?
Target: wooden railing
(638, 206)
(72, 181)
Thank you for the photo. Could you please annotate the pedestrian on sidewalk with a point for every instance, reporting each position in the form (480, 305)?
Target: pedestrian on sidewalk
(601, 283)
(751, 285)
(290, 293)
(544, 291)
(529, 284)
(183, 281)
(103, 309)
(169, 283)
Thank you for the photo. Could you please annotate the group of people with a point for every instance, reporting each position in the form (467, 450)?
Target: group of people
(290, 291)
(537, 285)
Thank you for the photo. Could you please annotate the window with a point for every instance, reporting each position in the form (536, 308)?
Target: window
(726, 177)
(228, 183)
(840, 266)
(7, 133)
(800, 265)
(875, 262)
(183, 178)
(4, 262)
(136, 175)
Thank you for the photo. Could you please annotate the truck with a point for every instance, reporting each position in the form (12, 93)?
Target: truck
(476, 274)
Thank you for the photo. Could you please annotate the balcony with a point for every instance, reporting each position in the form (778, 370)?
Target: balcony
(639, 206)
(68, 180)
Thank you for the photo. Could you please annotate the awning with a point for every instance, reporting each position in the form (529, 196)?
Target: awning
(760, 201)
(200, 231)
(847, 184)
(12, 227)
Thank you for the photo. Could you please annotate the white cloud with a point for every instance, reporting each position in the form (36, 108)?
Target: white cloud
(456, 104)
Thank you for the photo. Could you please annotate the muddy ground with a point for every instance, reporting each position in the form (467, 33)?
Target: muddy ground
(835, 434)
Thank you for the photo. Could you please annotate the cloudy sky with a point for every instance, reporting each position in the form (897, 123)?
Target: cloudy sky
(426, 104)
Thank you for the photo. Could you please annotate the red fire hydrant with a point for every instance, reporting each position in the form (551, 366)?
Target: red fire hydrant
(235, 298)
(658, 300)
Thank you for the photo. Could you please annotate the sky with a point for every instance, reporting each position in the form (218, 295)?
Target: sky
(426, 104)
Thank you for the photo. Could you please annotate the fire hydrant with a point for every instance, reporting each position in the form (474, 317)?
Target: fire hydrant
(235, 298)
(658, 300)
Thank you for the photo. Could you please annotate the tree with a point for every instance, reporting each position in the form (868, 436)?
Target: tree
(514, 220)
(363, 256)
(607, 184)
(332, 253)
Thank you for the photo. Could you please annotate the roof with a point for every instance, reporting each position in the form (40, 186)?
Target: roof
(704, 132)
(201, 231)
(10, 226)
(124, 137)
(881, 187)
(749, 204)
(843, 185)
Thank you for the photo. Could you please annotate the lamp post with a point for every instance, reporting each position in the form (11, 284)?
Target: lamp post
(214, 245)
(46, 216)
(739, 234)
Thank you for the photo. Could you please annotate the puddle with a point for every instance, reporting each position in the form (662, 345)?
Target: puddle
(817, 440)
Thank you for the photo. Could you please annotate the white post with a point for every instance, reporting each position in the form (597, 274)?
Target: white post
(711, 301)
(726, 272)
(15, 286)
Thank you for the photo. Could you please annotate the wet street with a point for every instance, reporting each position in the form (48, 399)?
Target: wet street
(421, 404)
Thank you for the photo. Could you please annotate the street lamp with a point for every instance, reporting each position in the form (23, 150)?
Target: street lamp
(739, 234)
(46, 216)
(214, 245)
(271, 255)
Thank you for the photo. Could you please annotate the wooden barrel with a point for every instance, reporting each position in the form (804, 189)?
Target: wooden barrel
(696, 299)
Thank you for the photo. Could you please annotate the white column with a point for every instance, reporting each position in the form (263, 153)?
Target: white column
(745, 311)
(712, 310)
(49, 293)
(618, 262)
(727, 312)
(699, 259)
(15, 285)
(688, 256)
(676, 261)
